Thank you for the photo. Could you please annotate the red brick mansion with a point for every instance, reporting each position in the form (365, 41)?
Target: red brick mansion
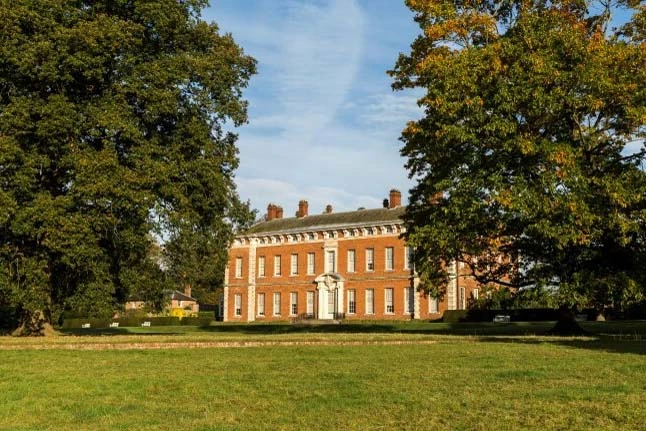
(347, 265)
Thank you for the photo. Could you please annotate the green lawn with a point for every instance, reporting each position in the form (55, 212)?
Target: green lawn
(483, 380)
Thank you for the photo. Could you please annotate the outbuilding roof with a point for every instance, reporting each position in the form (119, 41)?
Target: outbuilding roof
(347, 219)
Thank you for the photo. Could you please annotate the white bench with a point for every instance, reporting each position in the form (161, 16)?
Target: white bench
(114, 325)
(145, 324)
(501, 318)
(85, 325)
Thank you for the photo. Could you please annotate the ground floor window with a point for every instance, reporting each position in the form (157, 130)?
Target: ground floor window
(370, 301)
(409, 299)
(310, 303)
(433, 305)
(238, 304)
(261, 304)
(390, 303)
(352, 305)
(293, 303)
(276, 303)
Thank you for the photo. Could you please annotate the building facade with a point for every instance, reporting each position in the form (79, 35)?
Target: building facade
(348, 265)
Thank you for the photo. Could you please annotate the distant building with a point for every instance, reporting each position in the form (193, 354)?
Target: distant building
(348, 265)
(176, 300)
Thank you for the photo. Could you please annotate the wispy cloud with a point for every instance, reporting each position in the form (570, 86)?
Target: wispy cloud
(323, 121)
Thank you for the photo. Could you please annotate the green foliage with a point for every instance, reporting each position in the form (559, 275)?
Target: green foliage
(529, 148)
(111, 127)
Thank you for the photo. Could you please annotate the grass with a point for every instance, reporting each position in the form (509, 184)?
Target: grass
(482, 378)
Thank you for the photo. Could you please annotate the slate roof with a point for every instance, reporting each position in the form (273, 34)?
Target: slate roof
(347, 219)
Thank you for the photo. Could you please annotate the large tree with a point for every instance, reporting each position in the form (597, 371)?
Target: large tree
(531, 145)
(111, 128)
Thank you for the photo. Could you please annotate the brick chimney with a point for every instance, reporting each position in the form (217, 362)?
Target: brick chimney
(271, 212)
(328, 209)
(187, 290)
(395, 198)
(279, 212)
(303, 208)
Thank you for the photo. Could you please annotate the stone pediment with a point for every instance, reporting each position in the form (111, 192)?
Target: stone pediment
(329, 279)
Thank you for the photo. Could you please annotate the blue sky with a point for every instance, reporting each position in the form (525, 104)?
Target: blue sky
(323, 121)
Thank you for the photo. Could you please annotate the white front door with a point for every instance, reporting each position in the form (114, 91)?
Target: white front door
(331, 302)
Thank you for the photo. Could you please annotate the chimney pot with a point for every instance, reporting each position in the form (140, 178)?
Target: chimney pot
(328, 209)
(395, 198)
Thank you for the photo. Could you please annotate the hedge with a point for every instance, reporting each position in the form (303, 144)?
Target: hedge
(516, 315)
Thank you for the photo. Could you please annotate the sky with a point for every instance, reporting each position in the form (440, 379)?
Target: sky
(324, 122)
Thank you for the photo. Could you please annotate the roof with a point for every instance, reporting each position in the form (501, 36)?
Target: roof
(179, 296)
(326, 221)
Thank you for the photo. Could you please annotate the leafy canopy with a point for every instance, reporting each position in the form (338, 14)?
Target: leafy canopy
(528, 160)
(111, 128)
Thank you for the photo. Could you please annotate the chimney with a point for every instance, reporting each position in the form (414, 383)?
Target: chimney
(386, 204)
(302, 209)
(279, 212)
(395, 198)
(328, 209)
(271, 212)
(187, 290)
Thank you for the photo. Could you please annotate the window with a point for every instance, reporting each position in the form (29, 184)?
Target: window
(238, 304)
(408, 300)
(352, 305)
(277, 265)
(370, 301)
(238, 267)
(390, 307)
(370, 259)
(310, 303)
(310, 264)
(463, 299)
(330, 261)
(261, 266)
(476, 294)
(294, 264)
(276, 303)
(408, 258)
(433, 305)
(390, 258)
(351, 256)
(293, 303)
(311, 236)
(261, 304)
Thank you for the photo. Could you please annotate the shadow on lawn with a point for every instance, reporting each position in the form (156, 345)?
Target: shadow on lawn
(604, 343)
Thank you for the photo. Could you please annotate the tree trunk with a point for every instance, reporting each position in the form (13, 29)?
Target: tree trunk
(34, 324)
(566, 323)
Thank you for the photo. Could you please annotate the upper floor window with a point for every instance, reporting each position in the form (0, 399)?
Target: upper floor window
(294, 264)
(370, 259)
(277, 265)
(408, 257)
(351, 260)
(261, 266)
(330, 261)
(390, 258)
(238, 267)
(310, 264)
